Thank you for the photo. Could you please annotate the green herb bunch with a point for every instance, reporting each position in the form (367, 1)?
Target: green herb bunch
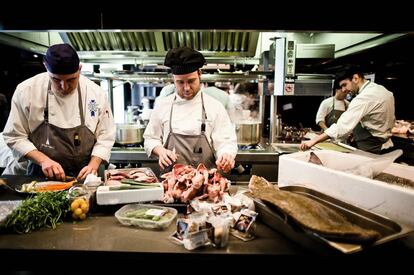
(45, 209)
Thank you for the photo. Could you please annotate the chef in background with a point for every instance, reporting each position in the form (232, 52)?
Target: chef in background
(370, 116)
(60, 120)
(189, 126)
(332, 107)
(213, 91)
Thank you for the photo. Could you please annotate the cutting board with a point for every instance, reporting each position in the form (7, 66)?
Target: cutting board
(333, 147)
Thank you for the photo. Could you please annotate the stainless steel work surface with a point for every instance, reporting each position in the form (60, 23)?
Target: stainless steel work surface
(103, 233)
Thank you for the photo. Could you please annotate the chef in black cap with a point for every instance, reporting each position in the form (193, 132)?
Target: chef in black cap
(189, 126)
(60, 120)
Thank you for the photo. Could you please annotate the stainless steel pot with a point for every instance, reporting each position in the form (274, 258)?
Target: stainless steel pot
(129, 133)
(248, 133)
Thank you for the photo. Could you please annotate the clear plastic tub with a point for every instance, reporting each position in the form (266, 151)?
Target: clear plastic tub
(141, 215)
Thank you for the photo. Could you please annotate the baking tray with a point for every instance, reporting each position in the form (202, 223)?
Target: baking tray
(388, 229)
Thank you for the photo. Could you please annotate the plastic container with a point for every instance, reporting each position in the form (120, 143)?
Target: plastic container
(164, 221)
(105, 196)
(80, 201)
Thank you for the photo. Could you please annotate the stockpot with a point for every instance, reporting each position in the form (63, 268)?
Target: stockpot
(248, 133)
(129, 133)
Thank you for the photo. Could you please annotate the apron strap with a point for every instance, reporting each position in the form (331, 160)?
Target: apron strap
(171, 111)
(46, 111)
(203, 115)
(82, 117)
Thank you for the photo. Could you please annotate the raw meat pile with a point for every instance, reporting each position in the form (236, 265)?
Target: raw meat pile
(185, 183)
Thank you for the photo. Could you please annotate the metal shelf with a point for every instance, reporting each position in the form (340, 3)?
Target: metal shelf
(164, 77)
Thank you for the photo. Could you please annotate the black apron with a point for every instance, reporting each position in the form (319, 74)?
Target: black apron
(191, 149)
(333, 115)
(365, 141)
(70, 147)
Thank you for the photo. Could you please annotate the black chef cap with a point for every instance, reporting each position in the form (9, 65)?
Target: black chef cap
(61, 59)
(184, 60)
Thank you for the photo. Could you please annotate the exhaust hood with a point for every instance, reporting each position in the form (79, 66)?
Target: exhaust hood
(152, 46)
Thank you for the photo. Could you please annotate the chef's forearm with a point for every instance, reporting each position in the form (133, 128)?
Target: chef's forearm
(36, 156)
(320, 138)
(95, 162)
(322, 125)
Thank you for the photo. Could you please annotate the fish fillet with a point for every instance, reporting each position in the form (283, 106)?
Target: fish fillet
(310, 214)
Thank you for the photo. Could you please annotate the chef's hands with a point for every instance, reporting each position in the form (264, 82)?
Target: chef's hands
(225, 162)
(52, 169)
(165, 157)
(91, 168)
(305, 145)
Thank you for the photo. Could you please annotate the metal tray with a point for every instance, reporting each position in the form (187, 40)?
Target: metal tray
(146, 170)
(389, 230)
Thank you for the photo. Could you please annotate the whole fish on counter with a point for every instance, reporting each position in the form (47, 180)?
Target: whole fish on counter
(310, 214)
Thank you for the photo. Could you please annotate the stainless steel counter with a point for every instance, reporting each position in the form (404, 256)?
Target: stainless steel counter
(103, 233)
(101, 242)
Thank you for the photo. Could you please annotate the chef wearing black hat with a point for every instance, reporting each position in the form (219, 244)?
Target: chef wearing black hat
(60, 120)
(189, 126)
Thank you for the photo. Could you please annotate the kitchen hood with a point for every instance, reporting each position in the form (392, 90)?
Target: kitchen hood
(151, 46)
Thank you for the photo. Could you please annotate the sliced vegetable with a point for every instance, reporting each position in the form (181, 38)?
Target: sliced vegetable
(35, 186)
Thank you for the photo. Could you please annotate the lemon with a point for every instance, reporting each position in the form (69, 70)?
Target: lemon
(82, 216)
(84, 207)
(78, 212)
(74, 205)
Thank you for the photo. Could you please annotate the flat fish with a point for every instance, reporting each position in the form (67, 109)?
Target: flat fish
(391, 179)
(310, 214)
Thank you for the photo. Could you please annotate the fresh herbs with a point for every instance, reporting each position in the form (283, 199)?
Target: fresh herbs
(43, 210)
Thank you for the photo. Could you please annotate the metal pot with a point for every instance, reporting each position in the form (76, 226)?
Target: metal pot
(129, 133)
(248, 133)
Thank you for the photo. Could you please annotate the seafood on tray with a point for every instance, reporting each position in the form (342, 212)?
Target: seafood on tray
(185, 183)
(129, 176)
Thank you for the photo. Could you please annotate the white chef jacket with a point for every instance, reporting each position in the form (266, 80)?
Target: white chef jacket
(374, 108)
(186, 119)
(326, 107)
(8, 162)
(29, 102)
